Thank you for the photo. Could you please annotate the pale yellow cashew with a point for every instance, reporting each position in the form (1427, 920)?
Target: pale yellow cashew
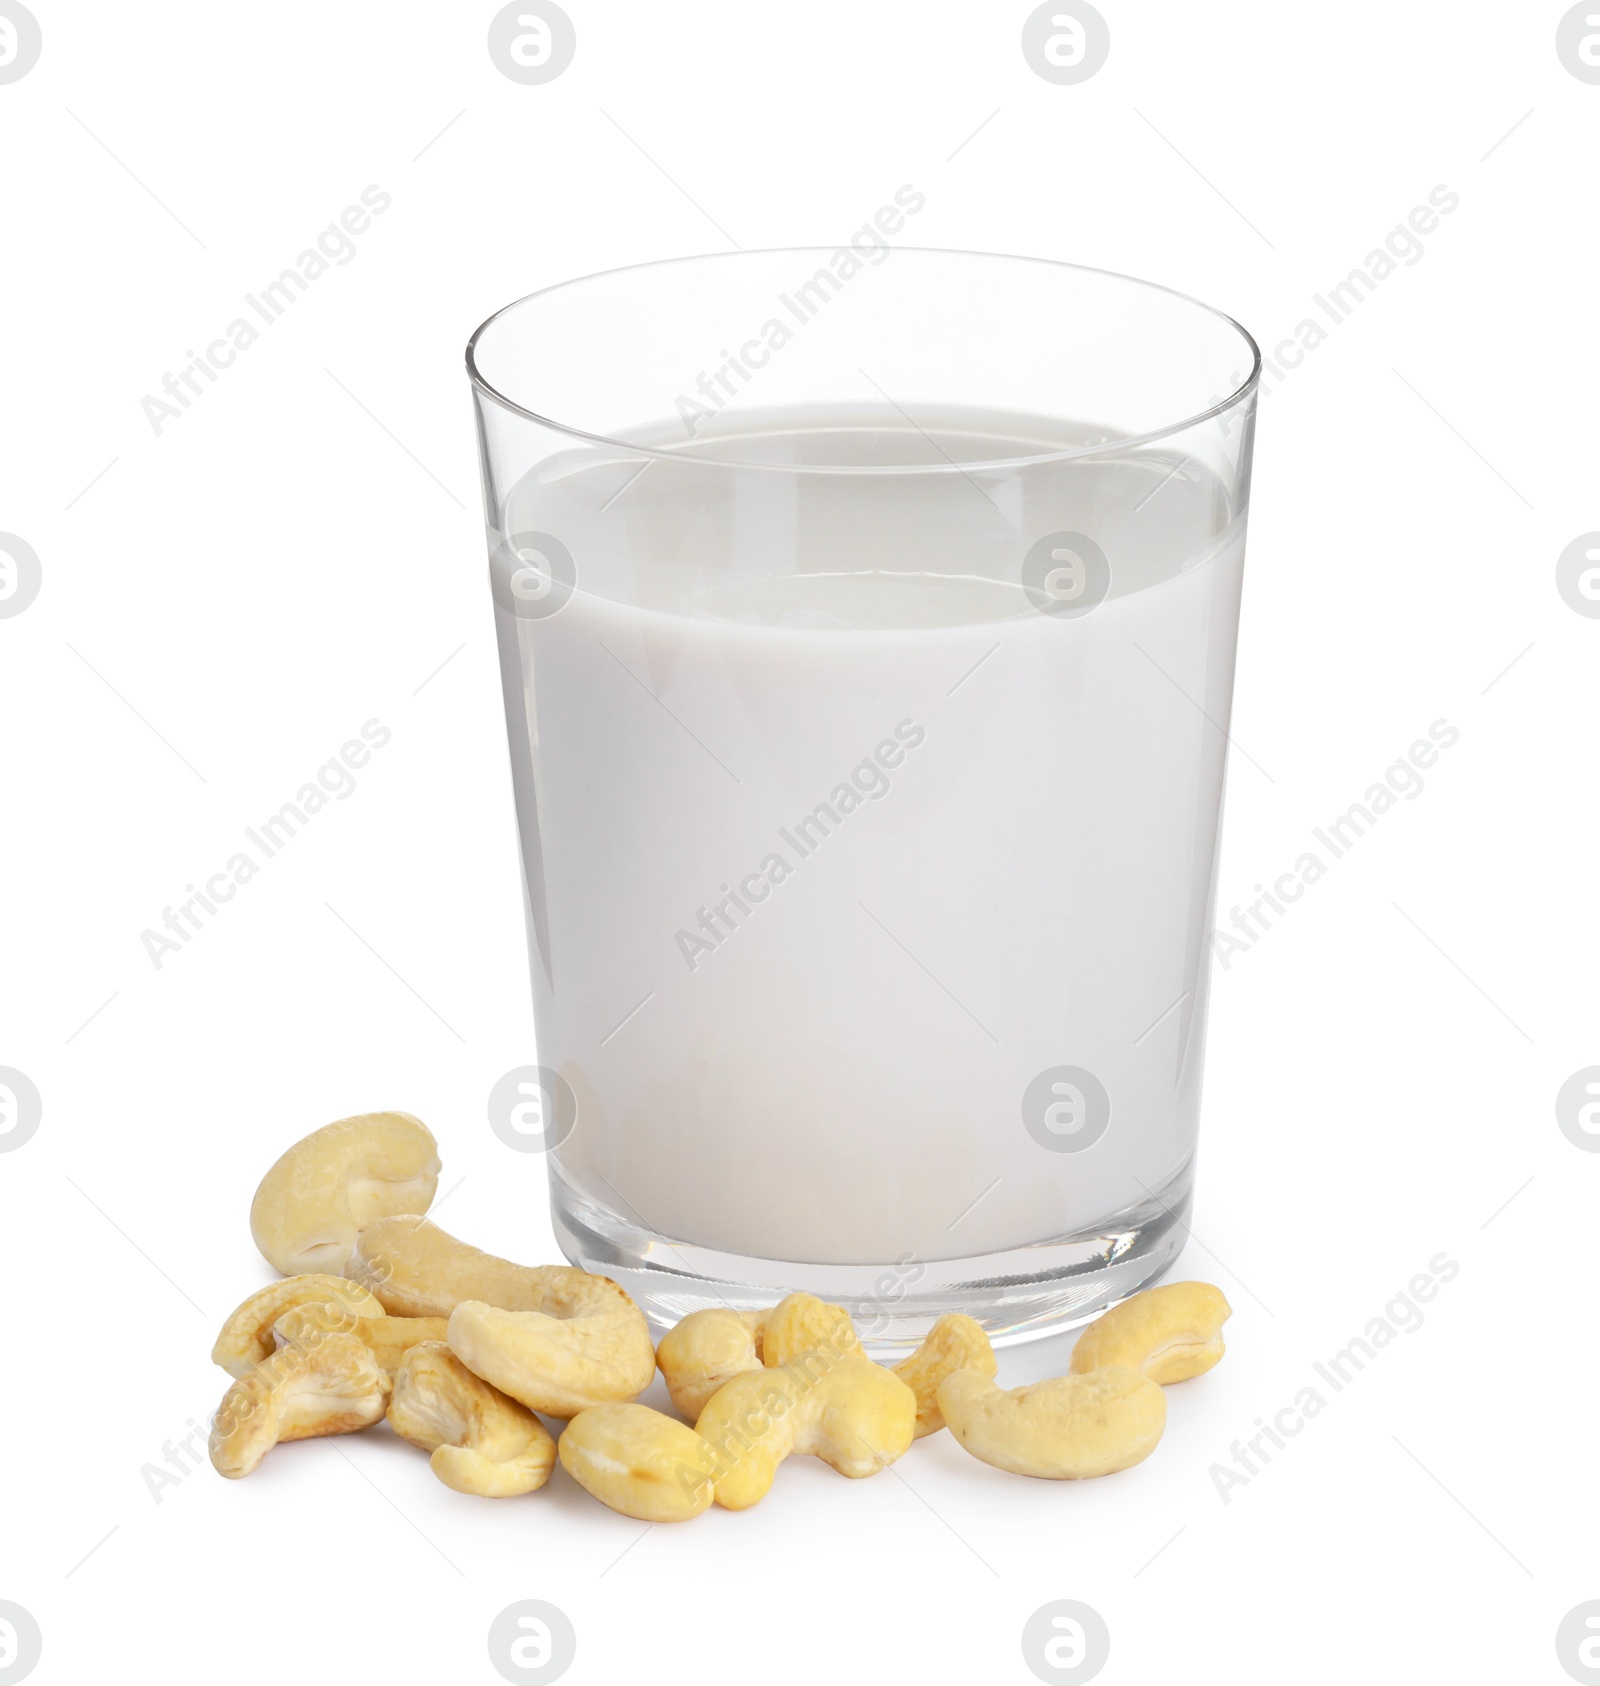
(853, 1414)
(803, 1323)
(1170, 1333)
(587, 1349)
(478, 1441)
(556, 1339)
(420, 1270)
(334, 1387)
(1062, 1429)
(638, 1462)
(955, 1342)
(246, 1337)
(388, 1339)
(706, 1349)
(329, 1186)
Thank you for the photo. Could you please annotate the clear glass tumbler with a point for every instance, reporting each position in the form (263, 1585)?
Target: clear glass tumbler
(867, 622)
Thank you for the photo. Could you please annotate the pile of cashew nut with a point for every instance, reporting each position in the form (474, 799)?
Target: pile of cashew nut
(381, 1315)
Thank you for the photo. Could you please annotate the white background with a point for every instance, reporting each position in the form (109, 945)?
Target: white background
(227, 602)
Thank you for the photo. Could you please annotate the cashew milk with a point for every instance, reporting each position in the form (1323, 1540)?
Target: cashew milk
(842, 847)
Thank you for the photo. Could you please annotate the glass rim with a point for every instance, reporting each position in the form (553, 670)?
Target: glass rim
(1069, 453)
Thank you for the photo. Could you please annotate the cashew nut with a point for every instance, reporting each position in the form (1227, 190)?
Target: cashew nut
(329, 1186)
(1061, 1429)
(420, 1270)
(479, 1441)
(334, 1387)
(853, 1414)
(803, 1323)
(1170, 1333)
(706, 1349)
(639, 1462)
(955, 1342)
(710, 1347)
(388, 1339)
(246, 1337)
(557, 1339)
(592, 1347)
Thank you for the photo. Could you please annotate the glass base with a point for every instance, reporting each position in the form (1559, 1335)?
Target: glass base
(1020, 1295)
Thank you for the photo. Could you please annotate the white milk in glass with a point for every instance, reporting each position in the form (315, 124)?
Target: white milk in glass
(840, 842)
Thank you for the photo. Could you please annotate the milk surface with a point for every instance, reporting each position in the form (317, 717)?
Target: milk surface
(835, 841)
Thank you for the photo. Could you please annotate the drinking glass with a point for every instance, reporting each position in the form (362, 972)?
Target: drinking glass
(866, 621)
